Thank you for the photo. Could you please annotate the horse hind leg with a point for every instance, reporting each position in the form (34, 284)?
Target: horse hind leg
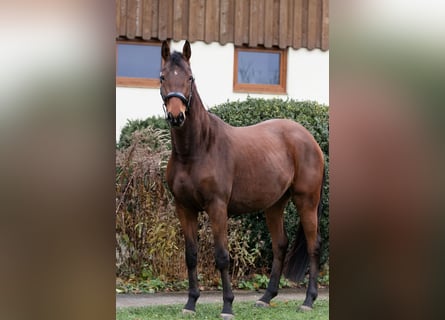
(307, 208)
(275, 224)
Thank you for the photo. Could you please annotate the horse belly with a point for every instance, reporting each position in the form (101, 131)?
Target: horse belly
(265, 164)
(258, 189)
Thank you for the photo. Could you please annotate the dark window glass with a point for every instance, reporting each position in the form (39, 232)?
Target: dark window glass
(258, 67)
(138, 61)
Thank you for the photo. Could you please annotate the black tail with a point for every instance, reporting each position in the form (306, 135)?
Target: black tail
(297, 259)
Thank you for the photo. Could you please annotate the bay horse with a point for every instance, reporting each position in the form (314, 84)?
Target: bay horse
(225, 171)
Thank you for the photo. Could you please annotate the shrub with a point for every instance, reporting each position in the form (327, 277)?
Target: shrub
(149, 240)
(314, 117)
(243, 255)
(131, 126)
(147, 231)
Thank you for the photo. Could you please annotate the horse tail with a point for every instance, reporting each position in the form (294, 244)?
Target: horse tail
(297, 259)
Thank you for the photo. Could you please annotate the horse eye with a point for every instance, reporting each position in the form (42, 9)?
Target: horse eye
(162, 78)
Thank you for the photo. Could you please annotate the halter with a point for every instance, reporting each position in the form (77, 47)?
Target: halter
(176, 94)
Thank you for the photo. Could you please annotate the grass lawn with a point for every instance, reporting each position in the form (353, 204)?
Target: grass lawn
(243, 310)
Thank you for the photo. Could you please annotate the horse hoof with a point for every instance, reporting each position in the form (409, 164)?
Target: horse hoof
(262, 304)
(188, 312)
(305, 308)
(227, 316)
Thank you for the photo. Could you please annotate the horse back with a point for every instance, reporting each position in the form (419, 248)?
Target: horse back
(271, 158)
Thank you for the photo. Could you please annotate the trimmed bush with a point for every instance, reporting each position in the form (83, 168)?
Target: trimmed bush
(314, 117)
(131, 126)
(146, 222)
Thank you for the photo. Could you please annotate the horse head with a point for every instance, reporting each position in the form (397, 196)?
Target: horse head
(176, 83)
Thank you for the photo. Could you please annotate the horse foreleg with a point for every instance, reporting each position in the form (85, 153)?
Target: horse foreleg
(274, 220)
(189, 225)
(218, 219)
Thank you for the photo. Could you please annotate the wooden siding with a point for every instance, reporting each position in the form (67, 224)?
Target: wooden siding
(268, 23)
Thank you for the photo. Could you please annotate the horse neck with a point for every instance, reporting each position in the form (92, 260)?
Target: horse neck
(189, 140)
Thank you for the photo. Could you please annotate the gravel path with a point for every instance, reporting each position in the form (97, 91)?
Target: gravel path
(141, 300)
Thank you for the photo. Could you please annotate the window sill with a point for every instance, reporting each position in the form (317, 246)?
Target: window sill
(137, 82)
(258, 88)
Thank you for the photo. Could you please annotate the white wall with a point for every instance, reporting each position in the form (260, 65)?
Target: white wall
(212, 66)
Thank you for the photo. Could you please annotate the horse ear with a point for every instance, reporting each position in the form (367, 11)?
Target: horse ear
(186, 50)
(165, 50)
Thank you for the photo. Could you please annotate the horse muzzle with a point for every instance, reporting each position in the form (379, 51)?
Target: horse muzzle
(176, 121)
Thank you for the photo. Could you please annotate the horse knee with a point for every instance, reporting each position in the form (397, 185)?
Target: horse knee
(222, 259)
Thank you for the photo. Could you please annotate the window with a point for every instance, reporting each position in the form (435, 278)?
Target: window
(138, 64)
(258, 70)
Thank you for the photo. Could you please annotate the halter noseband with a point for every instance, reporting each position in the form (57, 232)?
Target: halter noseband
(179, 95)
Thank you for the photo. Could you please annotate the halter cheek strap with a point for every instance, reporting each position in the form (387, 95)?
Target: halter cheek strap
(179, 95)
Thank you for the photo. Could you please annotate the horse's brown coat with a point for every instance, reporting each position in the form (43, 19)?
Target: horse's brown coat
(227, 170)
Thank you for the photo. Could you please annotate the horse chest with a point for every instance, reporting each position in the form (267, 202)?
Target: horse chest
(181, 185)
(191, 189)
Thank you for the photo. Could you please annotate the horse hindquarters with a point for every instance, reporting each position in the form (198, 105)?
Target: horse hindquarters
(306, 191)
(305, 249)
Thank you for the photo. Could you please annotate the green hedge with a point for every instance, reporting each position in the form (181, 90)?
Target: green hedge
(131, 126)
(312, 115)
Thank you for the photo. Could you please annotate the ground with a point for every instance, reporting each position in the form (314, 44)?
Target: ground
(141, 300)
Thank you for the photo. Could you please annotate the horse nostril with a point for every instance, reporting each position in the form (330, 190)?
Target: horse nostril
(175, 121)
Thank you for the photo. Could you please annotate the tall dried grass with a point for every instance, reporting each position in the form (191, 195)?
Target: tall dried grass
(148, 235)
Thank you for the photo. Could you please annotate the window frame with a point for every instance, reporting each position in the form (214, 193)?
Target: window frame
(261, 88)
(132, 81)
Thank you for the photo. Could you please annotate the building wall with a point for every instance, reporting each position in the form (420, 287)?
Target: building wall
(212, 65)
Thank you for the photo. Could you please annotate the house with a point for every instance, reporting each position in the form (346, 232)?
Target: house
(240, 48)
